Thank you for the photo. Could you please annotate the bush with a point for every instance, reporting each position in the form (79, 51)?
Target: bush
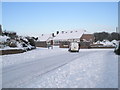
(31, 41)
(12, 44)
(117, 50)
(100, 36)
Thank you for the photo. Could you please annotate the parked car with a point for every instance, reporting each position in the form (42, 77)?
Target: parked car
(74, 47)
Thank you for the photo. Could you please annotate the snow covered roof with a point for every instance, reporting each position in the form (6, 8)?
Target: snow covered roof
(69, 35)
(45, 37)
(87, 32)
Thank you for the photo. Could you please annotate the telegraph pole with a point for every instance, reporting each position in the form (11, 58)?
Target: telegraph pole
(0, 29)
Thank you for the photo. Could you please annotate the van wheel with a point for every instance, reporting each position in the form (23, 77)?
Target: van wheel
(69, 50)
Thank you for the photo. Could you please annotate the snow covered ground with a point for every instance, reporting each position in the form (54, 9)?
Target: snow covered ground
(58, 68)
(38, 53)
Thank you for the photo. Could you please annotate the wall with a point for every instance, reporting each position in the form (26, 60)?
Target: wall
(88, 37)
(41, 44)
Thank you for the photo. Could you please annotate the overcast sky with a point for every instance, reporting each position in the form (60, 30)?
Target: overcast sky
(34, 18)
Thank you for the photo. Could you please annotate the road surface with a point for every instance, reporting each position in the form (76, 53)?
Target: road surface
(17, 75)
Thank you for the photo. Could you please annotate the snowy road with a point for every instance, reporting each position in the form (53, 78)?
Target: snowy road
(15, 74)
(88, 66)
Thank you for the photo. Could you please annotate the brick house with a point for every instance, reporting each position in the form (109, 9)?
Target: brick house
(86, 40)
(44, 39)
(81, 36)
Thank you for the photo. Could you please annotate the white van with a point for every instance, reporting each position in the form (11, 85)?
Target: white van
(74, 47)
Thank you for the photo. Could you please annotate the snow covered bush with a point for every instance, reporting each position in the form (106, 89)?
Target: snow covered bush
(31, 41)
(10, 34)
(106, 43)
(3, 38)
(12, 43)
(15, 41)
(117, 49)
(3, 41)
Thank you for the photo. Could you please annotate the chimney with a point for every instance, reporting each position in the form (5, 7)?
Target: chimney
(62, 32)
(53, 35)
(57, 32)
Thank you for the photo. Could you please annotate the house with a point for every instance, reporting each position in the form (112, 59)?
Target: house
(68, 36)
(44, 39)
(86, 40)
(64, 38)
